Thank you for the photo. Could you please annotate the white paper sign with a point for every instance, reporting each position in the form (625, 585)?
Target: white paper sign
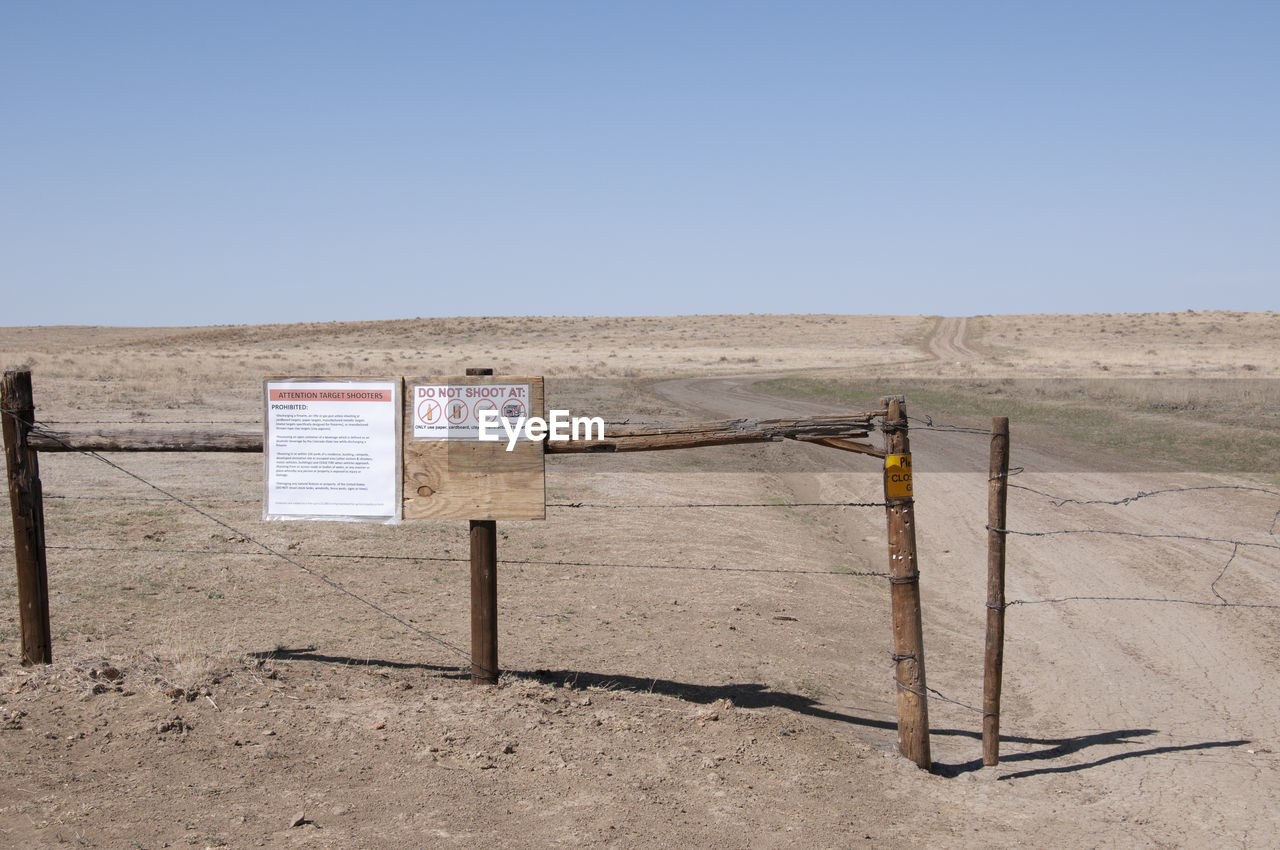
(446, 412)
(331, 450)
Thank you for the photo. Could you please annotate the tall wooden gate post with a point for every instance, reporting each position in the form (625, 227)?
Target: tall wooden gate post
(997, 500)
(484, 593)
(27, 502)
(904, 588)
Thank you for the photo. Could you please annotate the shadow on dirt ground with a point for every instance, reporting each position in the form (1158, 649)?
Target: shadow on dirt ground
(754, 695)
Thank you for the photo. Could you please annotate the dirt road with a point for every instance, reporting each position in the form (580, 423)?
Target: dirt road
(947, 342)
(1158, 722)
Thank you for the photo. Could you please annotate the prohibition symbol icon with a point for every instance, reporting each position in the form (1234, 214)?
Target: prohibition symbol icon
(457, 411)
(429, 411)
(483, 405)
(513, 409)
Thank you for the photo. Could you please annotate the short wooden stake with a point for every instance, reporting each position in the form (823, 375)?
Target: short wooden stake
(484, 593)
(997, 499)
(904, 588)
(27, 502)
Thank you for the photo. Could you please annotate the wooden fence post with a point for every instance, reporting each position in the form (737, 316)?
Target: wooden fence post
(27, 502)
(484, 593)
(997, 499)
(904, 587)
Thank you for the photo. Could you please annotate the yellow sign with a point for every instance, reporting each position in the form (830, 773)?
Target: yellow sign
(897, 477)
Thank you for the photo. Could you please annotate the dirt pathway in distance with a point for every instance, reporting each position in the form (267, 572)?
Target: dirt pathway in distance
(947, 342)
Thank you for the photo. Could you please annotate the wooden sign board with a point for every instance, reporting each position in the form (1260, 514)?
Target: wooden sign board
(331, 449)
(448, 472)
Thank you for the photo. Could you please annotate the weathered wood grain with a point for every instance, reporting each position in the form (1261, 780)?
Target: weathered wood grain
(27, 502)
(835, 432)
(457, 479)
(131, 439)
(904, 590)
(997, 516)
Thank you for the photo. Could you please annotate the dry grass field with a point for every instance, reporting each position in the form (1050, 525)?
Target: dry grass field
(699, 676)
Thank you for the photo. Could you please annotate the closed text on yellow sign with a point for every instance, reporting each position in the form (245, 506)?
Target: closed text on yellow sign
(897, 476)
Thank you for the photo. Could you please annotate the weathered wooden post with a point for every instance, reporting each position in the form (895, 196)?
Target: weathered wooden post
(484, 592)
(997, 498)
(904, 587)
(27, 502)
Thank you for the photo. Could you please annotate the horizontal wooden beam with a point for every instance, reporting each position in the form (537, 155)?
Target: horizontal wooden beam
(838, 425)
(723, 433)
(834, 431)
(656, 442)
(843, 444)
(145, 440)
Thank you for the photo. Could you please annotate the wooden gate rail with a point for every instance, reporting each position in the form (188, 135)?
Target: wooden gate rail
(835, 431)
(24, 440)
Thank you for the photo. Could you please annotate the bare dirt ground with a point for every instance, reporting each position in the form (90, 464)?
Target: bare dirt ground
(698, 676)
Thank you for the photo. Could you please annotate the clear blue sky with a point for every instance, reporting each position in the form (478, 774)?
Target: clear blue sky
(235, 161)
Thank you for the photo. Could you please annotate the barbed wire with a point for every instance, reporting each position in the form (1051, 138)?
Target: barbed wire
(1161, 599)
(267, 550)
(1141, 534)
(77, 498)
(1213, 585)
(715, 568)
(263, 546)
(927, 424)
(207, 501)
(937, 693)
(724, 505)
(157, 550)
(1223, 602)
(1060, 501)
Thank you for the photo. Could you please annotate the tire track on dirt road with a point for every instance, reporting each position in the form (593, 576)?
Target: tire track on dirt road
(947, 342)
(1160, 714)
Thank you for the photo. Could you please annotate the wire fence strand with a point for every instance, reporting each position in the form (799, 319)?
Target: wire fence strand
(722, 505)
(1059, 501)
(925, 423)
(267, 549)
(1159, 599)
(1140, 534)
(716, 568)
(201, 500)
(562, 505)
